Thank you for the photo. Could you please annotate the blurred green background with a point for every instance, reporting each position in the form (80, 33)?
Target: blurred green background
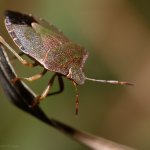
(117, 35)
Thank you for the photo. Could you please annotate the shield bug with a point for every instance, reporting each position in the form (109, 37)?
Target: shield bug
(49, 48)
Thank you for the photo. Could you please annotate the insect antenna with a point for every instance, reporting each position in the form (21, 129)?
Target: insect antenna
(110, 81)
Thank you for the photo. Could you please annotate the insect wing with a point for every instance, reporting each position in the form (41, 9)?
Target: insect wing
(20, 29)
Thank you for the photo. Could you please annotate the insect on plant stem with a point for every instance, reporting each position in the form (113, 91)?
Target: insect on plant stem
(49, 48)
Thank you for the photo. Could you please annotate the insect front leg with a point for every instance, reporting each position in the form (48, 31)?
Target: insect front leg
(77, 98)
(32, 78)
(61, 86)
(45, 92)
(24, 62)
(14, 57)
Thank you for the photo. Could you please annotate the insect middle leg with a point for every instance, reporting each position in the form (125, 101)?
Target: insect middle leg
(14, 57)
(61, 86)
(32, 78)
(24, 62)
(48, 88)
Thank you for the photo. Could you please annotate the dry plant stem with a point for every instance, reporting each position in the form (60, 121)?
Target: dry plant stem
(22, 97)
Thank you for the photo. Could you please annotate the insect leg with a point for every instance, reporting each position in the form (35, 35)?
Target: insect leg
(77, 98)
(14, 57)
(24, 62)
(45, 92)
(32, 78)
(61, 86)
